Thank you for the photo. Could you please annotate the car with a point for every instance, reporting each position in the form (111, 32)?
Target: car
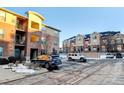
(49, 62)
(109, 55)
(76, 56)
(119, 55)
(3, 60)
(55, 61)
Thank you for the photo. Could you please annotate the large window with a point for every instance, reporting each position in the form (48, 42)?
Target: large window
(34, 25)
(94, 36)
(1, 51)
(35, 38)
(2, 16)
(1, 33)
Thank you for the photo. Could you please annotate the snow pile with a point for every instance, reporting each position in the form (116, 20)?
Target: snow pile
(22, 69)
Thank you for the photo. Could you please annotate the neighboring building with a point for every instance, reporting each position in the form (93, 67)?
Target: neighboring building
(95, 41)
(109, 41)
(79, 43)
(119, 42)
(87, 43)
(65, 46)
(51, 36)
(21, 36)
(69, 45)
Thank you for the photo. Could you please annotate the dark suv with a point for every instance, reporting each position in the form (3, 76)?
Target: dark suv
(119, 55)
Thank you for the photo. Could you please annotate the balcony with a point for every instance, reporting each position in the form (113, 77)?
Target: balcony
(20, 42)
(21, 24)
(20, 38)
(20, 27)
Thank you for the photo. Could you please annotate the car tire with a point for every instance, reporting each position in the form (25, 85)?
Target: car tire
(48, 67)
(82, 60)
(69, 59)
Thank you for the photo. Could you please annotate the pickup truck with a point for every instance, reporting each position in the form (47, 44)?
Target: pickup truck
(49, 62)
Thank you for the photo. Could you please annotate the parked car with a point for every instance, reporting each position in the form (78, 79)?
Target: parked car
(109, 55)
(3, 60)
(56, 61)
(76, 56)
(119, 55)
(49, 62)
(11, 59)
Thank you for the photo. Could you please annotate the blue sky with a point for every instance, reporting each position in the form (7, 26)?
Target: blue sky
(84, 20)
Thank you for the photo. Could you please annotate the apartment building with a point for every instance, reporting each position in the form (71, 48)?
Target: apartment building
(50, 39)
(21, 36)
(108, 41)
(79, 43)
(87, 43)
(69, 45)
(94, 41)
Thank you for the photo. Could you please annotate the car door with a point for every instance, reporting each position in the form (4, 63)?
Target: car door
(76, 56)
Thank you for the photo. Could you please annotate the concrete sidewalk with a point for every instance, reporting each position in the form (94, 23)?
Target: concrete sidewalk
(7, 75)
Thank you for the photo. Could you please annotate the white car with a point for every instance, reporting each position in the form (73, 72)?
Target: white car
(76, 56)
(108, 55)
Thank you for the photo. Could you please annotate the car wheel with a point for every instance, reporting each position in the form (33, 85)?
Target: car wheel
(48, 67)
(69, 59)
(82, 60)
(56, 67)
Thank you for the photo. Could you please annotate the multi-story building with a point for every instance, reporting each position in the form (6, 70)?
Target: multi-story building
(95, 41)
(109, 41)
(65, 46)
(87, 43)
(51, 38)
(118, 40)
(79, 43)
(69, 45)
(21, 36)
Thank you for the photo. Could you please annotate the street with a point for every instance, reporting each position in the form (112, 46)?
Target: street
(94, 72)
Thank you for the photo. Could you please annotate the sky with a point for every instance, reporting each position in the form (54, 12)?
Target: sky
(81, 20)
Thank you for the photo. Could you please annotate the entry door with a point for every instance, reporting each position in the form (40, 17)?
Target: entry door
(17, 53)
(34, 53)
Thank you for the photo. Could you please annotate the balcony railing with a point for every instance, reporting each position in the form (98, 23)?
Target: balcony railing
(20, 27)
(20, 42)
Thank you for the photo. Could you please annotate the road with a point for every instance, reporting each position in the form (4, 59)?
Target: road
(94, 72)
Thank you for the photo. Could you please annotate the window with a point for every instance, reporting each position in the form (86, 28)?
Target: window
(34, 38)
(1, 33)
(75, 54)
(34, 25)
(94, 37)
(2, 16)
(72, 54)
(1, 51)
(119, 41)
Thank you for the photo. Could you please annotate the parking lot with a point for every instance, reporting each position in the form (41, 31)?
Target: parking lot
(105, 71)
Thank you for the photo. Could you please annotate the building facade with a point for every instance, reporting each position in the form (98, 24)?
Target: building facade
(87, 43)
(108, 41)
(79, 43)
(51, 39)
(21, 36)
(95, 41)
